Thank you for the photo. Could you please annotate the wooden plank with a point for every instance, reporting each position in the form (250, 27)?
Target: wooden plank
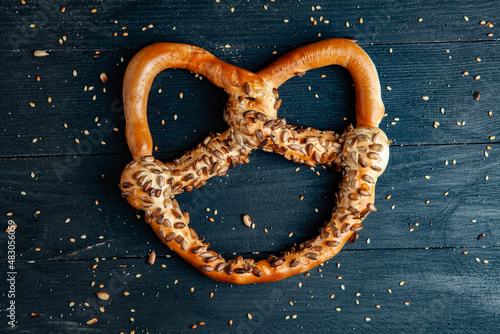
(418, 291)
(71, 208)
(411, 120)
(239, 23)
(429, 256)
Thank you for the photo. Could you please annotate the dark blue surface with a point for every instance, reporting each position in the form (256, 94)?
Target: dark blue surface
(426, 262)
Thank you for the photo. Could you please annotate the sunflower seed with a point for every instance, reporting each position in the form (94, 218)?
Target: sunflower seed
(316, 157)
(211, 259)
(277, 104)
(193, 234)
(309, 149)
(246, 88)
(256, 271)
(205, 255)
(152, 258)
(198, 250)
(126, 185)
(373, 156)
(353, 196)
(179, 225)
(147, 199)
(160, 181)
(207, 268)
(277, 263)
(356, 227)
(220, 267)
(161, 232)
(362, 162)
(376, 147)
(214, 168)
(312, 255)
(218, 154)
(126, 194)
(179, 239)
(367, 178)
(229, 269)
(345, 228)
(276, 94)
(166, 222)
(332, 243)
(240, 270)
(284, 136)
(353, 238)
(344, 218)
(142, 180)
(363, 138)
(249, 113)
(176, 214)
(171, 236)
(261, 117)
(364, 193)
(247, 221)
(147, 186)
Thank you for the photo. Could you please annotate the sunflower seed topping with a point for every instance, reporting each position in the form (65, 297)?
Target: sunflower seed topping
(312, 255)
(367, 178)
(207, 268)
(220, 267)
(171, 236)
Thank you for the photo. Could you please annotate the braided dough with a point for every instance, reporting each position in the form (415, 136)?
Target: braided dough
(361, 153)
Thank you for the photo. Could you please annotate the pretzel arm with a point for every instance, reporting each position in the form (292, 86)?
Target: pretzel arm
(213, 157)
(305, 145)
(153, 59)
(337, 51)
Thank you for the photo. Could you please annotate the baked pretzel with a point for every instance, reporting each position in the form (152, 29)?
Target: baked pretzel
(361, 153)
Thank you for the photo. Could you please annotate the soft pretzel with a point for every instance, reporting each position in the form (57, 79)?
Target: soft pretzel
(361, 153)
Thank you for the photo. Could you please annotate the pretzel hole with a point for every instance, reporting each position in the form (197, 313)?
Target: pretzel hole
(198, 112)
(333, 108)
(268, 189)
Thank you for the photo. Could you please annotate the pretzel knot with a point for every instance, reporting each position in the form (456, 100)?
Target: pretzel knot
(251, 112)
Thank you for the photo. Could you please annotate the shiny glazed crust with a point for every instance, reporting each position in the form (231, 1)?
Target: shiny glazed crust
(361, 153)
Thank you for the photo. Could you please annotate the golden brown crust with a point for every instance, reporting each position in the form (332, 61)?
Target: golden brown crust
(150, 185)
(153, 59)
(335, 51)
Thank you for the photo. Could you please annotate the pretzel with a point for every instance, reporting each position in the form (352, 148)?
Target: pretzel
(361, 153)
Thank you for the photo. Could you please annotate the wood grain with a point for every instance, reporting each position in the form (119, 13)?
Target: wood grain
(461, 204)
(80, 103)
(213, 25)
(426, 290)
(429, 256)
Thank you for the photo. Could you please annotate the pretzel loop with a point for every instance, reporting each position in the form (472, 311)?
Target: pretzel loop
(361, 153)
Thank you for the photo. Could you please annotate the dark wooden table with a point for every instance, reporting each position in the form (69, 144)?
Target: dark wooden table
(426, 262)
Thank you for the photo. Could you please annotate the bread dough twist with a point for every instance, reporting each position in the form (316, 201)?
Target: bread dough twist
(361, 153)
